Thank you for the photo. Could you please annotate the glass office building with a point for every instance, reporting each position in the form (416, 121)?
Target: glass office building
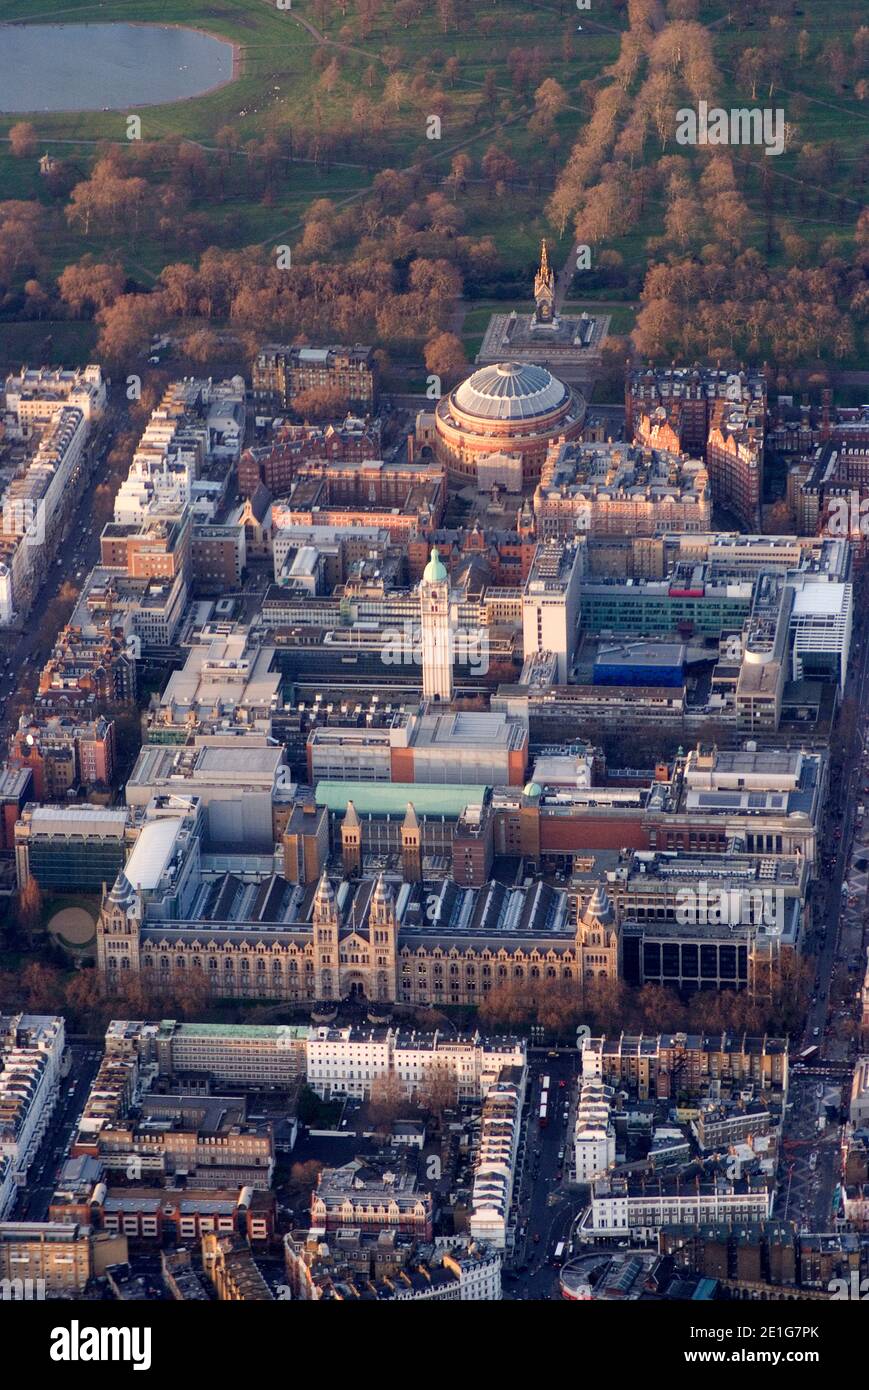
(70, 848)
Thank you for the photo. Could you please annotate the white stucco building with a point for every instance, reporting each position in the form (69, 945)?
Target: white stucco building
(637, 1210)
(594, 1136)
(492, 1194)
(351, 1059)
(31, 1051)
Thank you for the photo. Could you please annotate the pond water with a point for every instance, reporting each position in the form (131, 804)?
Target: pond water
(94, 67)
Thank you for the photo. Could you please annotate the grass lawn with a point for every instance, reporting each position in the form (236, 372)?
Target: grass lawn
(71, 342)
(56, 902)
(476, 320)
(275, 51)
(622, 317)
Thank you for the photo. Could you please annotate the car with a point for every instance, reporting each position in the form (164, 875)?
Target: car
(816, 1032)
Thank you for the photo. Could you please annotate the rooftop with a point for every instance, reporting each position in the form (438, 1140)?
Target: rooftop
(77, 820)
(152, 852)
(391, 799)
(510, 391)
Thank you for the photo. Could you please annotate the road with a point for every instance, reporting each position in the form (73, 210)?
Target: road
(811, 1158)
(34, 1199)
(834, 851)
(545, 1205)
(22, 654)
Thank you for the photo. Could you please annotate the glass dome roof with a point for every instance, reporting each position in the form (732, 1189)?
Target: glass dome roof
(510, 391)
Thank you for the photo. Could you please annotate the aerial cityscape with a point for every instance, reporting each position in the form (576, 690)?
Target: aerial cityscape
(434, 578)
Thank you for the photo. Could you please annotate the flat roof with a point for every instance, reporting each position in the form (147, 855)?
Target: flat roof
(251, 1031)
(391, 798)
(170, 762)
(71, 820)
(214, 759)
(640, 653)
(820, 599)
(470, 729)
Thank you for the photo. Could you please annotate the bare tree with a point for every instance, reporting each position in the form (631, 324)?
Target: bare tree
(29, 908)
(439, 1091)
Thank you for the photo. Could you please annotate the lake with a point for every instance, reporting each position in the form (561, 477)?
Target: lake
(90, 67)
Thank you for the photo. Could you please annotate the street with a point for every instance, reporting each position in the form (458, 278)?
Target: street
(811, 1156)
(545, 1207)
(22, 654)
(34, 1199)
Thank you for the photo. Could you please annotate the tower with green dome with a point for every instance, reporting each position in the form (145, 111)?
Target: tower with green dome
(435, 571)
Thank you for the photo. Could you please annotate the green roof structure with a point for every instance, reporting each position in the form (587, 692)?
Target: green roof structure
(253, 1031)
(390, 798)
(434, 572)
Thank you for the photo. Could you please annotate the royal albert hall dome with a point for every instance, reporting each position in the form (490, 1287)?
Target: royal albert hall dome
(510, 391)
(508, 408)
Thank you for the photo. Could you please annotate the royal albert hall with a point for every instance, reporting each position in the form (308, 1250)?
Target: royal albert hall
(515, 408)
